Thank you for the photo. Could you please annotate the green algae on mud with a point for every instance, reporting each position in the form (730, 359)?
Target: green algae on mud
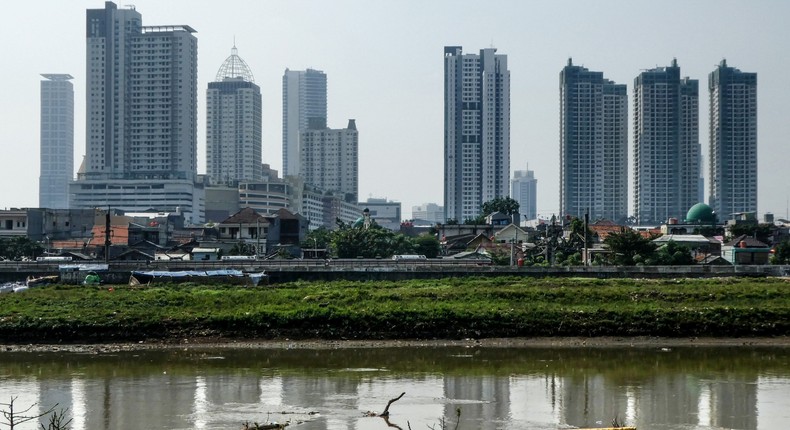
(453, 308)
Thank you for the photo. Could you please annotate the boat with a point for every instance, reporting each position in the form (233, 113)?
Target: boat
(227, 276)
(35, 281)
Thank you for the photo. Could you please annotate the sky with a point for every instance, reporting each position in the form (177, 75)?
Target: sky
(384, 66)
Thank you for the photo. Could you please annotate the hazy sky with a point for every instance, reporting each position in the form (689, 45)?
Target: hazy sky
(383, 60)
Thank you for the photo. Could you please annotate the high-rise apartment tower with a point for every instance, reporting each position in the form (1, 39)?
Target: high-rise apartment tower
(666, 152)
(141, 116)
(57, 141)
(233, 124)
(476, 130)
(329, 158)
(524, 190)
(304, 97)
(593, 145)
(733, 141)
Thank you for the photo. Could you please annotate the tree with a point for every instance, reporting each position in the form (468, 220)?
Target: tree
(427, 245)
(629, 247)
(372, 242)
(761, 232)
(318, 238)
(478, 220)
(241, 248)
(505, 205)
(18, 247)
(781, 253)
(672, 254)
(576, 239)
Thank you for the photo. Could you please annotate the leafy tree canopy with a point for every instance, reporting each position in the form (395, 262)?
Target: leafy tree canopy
(672, 254)
(427, 245)
(629, 247)
(505, 205)
(781, 253)
(370, 243)
(15, 248)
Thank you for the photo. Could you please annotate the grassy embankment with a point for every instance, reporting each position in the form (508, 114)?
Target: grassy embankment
(449, 308)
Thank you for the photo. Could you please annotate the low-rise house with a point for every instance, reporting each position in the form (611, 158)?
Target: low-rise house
(172, 256)
(13, 222)
(696, 243)
(745, 250)
(205, 254)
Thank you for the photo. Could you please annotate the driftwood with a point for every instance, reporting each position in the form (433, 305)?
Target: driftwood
(386, 412)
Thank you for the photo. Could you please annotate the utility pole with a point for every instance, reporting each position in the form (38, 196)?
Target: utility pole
(586, 222)
(107, 231)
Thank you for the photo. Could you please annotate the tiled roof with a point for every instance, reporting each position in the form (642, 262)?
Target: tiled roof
(749, 241)
(119, 234)
(245, 216)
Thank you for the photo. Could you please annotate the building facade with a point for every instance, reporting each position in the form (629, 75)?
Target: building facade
(666, 152)
(329, 157)
(385, 213)
(430, 212)
(57, 141)
(233, 124)
(304, 97)
(141, 116)
(593, 145)
(476, 130)
(732, 162)
(524, 190)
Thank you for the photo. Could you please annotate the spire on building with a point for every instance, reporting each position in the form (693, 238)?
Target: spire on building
(234, 68)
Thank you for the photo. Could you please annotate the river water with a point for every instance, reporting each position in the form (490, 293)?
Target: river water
(329, 389)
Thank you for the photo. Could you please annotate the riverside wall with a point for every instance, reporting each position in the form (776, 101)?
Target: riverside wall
(384, 270)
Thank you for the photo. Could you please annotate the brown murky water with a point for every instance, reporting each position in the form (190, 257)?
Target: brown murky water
(329, 389)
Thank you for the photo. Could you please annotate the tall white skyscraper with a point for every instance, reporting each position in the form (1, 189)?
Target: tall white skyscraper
(233, 124)
(666, 144)
(141, 114)
(733, 141)
(329, 158)
(304, 97)
(57, 141)
(476, 130)
(593, 145)
(524, 190)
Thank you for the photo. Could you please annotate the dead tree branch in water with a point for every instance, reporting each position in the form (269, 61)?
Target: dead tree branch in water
(386, 412)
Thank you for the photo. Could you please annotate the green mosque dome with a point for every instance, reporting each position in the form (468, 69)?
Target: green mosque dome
(700, 213)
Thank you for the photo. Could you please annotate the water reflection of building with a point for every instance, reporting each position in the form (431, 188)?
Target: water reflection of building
(534, 399)
(591, 399)
(484, 399)
(733, 402)
(316, 393)
(141, 397)
(671, 398)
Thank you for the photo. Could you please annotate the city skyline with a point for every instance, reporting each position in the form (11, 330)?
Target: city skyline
(403, 117)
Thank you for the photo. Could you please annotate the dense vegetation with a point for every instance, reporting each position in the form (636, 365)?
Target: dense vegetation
(449, 308)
